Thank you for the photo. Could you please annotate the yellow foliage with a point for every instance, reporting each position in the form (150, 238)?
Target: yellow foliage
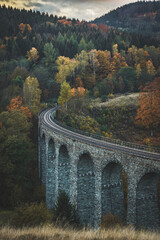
(33, 55)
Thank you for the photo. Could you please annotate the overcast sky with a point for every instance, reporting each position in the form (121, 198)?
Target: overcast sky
(81, 9)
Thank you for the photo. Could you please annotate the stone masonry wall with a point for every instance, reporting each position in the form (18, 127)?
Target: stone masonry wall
(92, 177)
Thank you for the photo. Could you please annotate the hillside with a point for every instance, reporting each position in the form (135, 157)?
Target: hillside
(141, 17)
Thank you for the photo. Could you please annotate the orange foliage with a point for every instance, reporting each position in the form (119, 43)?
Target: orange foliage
(16, 104)
(80, 91)
(148, 113)
(92, 25)
(23, 26)
(78, 82)
(2, 46)
(65, 22)
(0, 124)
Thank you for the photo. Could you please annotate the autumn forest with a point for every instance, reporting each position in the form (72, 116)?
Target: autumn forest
(45, 59)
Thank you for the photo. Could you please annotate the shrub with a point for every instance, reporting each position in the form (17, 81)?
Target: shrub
(111, 96)
(31, 215)
(110, 221)
(65, 212)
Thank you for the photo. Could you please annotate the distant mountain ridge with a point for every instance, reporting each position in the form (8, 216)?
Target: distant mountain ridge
(142, 17)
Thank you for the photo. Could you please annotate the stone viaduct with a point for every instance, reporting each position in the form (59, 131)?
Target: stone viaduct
(90, 171)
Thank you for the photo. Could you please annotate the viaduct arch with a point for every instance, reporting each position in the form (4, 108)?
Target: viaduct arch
(90, 171)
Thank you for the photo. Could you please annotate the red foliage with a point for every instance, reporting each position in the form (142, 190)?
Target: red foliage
(103, 27)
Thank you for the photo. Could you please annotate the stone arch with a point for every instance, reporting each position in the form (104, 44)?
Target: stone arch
(147, 210)
(64, 167)
(112, 192)
(43, 159)
(86, 189)
(51, 178)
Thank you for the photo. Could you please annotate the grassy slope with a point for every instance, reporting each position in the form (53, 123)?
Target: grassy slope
(51, 232)
(121, 101)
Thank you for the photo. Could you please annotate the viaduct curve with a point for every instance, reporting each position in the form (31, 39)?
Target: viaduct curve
(90, 171)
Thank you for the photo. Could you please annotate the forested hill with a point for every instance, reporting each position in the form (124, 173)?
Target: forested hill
(141, 17)
(64, 33)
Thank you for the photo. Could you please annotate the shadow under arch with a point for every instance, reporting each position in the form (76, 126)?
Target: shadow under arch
(147, 210)
(43, 159)
(86, 190)
(64, 167)
(51, 176)
(113, 198)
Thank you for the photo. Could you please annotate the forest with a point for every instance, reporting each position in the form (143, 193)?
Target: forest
(46, 59)
(139, 17)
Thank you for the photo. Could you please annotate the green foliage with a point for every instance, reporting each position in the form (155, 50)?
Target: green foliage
(65, 212)
(17, 152)
(50, 54)
(32, 93)
(103, 98)
(142, 22)
(31, 215)
(65, 94)
(82, 45)
(110, 221)
(127, 78)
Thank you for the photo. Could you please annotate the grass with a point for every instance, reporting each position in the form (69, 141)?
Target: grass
(121, 101)
(55, 233)
(5, 217)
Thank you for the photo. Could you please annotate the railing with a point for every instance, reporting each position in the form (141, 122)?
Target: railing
(106, 139)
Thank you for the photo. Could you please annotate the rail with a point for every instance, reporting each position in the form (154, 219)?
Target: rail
(106, 139)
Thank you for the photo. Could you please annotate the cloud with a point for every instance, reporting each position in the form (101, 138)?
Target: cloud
(31, 4)
(82, 9)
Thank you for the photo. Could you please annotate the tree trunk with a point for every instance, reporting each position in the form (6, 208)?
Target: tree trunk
(151, 131)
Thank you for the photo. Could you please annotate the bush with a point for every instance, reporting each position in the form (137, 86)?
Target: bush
(65, 212)
(31, 215)
(111, 96)
(110, 221)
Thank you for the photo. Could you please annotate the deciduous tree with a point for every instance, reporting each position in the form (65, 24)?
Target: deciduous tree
(65, 94)
(33, 55)
(31, 92)
(148, 113)
(16, 105)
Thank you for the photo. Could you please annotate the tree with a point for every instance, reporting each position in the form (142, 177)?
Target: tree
(16, 151)
(104, 66)
(82, 45)
(64, 211)
(80, 91)
(150, 68)
(148, 114)
(31, 92)
(66, 67)
(33, 55)
(93, 61)
(23, 26)
(129, 77)
(16, 105)
(50, 54)
(65, 94)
